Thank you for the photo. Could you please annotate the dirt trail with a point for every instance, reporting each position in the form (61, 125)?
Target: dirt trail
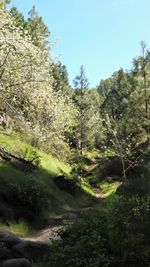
(51, 231)
(98, 193)
(45, 235)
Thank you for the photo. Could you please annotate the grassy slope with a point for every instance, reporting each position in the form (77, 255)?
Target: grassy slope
(109, 188)
(49, 163)
(50, 167)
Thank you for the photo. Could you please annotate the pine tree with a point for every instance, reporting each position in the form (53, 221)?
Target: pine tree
(81, 85)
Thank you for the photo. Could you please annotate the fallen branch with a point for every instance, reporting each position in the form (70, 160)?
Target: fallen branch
(25, 164)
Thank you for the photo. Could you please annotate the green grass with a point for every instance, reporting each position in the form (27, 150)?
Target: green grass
(87, 188)
(109, 188)
(110, 196)
(50, 167)
(21, 228)
(60, 201)
(47, 161)
(92, 154)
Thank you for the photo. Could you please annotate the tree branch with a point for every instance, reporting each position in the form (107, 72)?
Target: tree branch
(2, 72)
(21, 83)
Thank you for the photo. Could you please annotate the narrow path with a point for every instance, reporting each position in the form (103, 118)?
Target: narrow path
(89, 168)
(52, 230)
(45, 235)
(98, 193)
(57, 223)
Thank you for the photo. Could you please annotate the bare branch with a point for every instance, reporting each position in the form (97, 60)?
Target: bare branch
(25, 82)
(3, 70)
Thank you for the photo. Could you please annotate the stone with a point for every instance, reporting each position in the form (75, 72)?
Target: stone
(17, 263)
(69, 216)
(31, 250)
(5, 253)
(65, 184)
(8, 239)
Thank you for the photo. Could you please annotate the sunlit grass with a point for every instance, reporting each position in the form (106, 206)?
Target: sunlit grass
(21, 228)
(47, 161)
(92, 154)
(49, 168)
(109, 188)
(87, 188)
(109, 191)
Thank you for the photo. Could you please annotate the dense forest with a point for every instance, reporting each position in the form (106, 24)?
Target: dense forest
(68, 148)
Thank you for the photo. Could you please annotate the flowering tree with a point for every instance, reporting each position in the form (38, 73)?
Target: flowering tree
(27, 100)
(24, 69)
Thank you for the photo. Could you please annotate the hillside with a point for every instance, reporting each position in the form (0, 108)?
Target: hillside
(31, 192)
(74, 159)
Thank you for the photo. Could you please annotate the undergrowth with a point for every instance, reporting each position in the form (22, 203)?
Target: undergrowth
(34, 196)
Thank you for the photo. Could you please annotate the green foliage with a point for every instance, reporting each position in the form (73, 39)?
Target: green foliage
(132, 227)
(34, 196)
(116, 99)
(87, 132)
(25, 196)
(21, 227)
(109, 188)
(37, 29)
(105, 87)
(125, 107)
(84, 244)
(116, 233)
(85, 186)
(89, 124)
(29, 102)
(38, 105)
(19, 19)
(115, 107)
(138, 183)
(60, 79)
(14, 145)
(93, 240)
(4, 3)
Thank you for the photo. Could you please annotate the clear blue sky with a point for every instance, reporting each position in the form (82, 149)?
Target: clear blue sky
(103, 35)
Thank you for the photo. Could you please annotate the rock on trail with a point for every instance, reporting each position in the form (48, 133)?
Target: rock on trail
(17, 252)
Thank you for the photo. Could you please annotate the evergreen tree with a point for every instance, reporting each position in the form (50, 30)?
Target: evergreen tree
(19, 18)
(141, 73)
(81, 85)
(4, 3)
(37, 29)
(60, 79)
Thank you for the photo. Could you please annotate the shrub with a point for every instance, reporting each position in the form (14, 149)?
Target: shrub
(114, 238)
(65, 184)
(138, 182)
(28, 199)
(111, 167)
(83, 244)
(132, 227)
(23, 197)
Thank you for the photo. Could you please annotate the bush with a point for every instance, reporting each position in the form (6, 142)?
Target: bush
(83, 244)
(131, 218)
(114, 238)
(138, 182)
(65, 184)
(132, 227)
(25, 197)
(28, 199)
(111, 167)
